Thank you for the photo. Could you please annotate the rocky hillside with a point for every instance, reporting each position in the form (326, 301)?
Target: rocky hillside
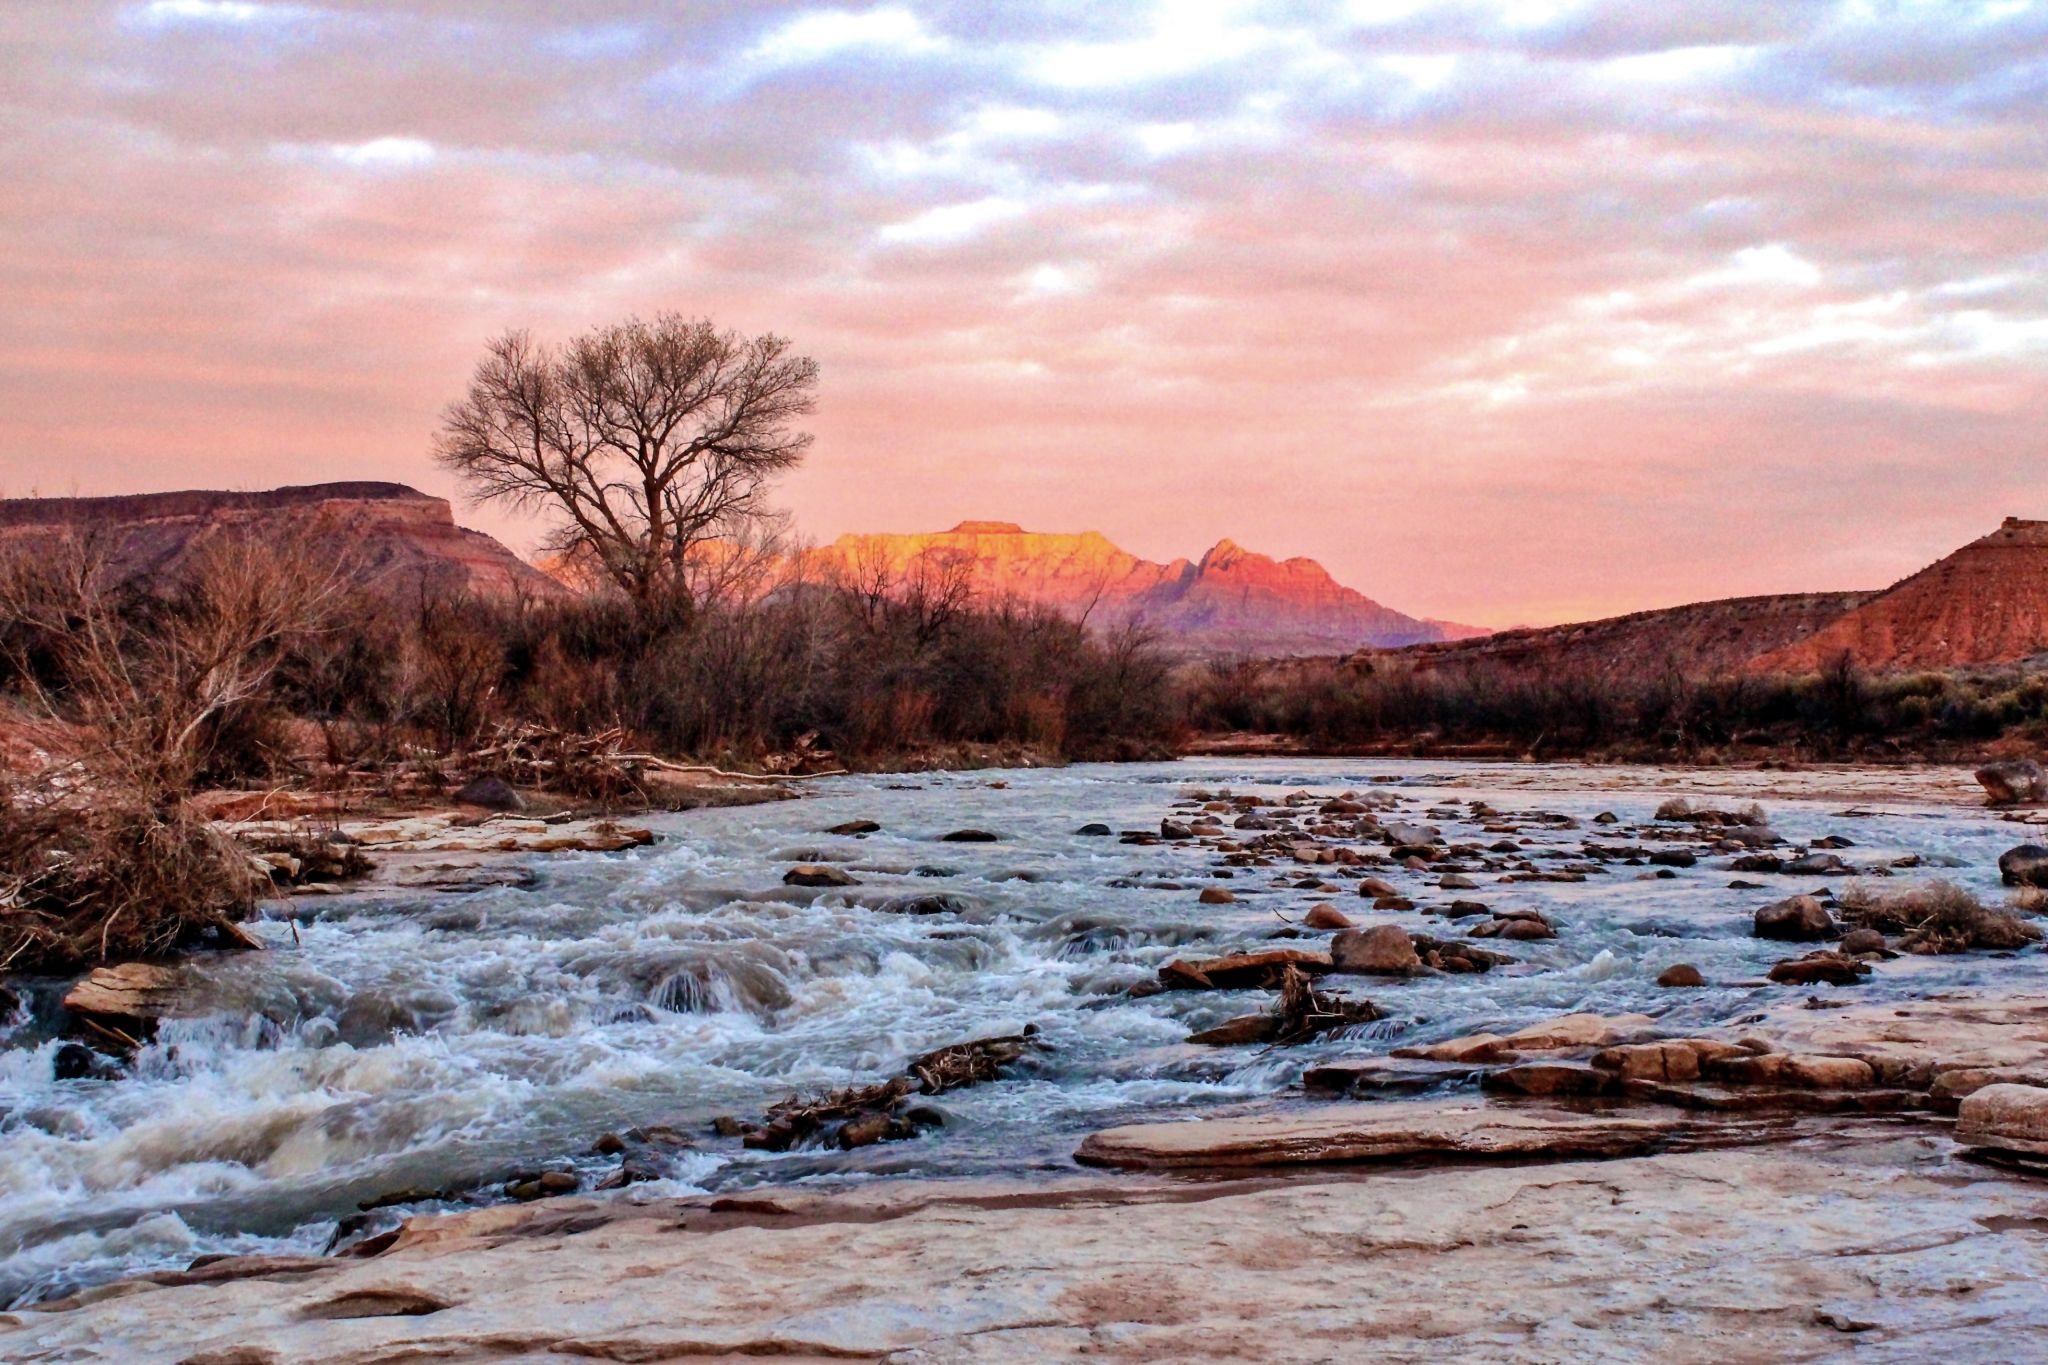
(397, 538)
(1985, 604)
(1231, 599)
(1701, 639)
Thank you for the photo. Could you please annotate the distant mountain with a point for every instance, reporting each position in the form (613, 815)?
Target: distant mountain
(398, 539)
(1985, 604)
(1230, 600)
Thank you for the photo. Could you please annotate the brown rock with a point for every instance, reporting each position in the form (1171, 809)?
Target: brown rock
(1477, 1047)
(1681, 974)
(132, 990)
(1383, 950)
(1326, 917)
(1216, 895)
(2013, 782)
(1797, 919)
(1577, 1030)
(1859, 941)
(1677, 1059)
(1816, 969)
(817, 874)
(2010, 1118)
(1375, 1131)
(1375, 887)
(1547, 1079)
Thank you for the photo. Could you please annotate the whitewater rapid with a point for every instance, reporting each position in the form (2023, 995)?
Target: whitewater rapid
(436, 1042)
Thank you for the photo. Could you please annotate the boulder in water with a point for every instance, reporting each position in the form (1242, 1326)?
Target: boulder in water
(2026, 865)
(490, 792)
(2014, 782)
(817, 874)
(1383, 950)
(1796, 919)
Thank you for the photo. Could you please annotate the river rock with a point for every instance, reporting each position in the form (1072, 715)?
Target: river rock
(132, 990)
(1325, 917)
(490, 792)
(1681, 975)
(1383, 950)
(1859, 941)
(1817, 865)
(1375, 1132)
(1216, 895)
(1374, 888)
(2014, 782)
(818, 874)
(1094, 829)
(1823, 968)
(1174, 829)
(1675, 1059)
(1796, 919)
(969, 836)
(856, 827)
(2010, 1118)
(2026, 865)
(1547, 1080)
(1577, 1030)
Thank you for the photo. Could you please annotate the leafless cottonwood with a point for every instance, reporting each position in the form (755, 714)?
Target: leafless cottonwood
(641, 440)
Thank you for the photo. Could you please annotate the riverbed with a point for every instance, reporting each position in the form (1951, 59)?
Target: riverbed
(425, 1042)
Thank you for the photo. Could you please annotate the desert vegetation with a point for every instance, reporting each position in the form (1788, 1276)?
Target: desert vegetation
(1385, 704)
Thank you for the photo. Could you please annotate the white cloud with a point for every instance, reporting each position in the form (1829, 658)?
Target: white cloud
(1183, 38)
(1056, 281)
(1771, 264)
(949, 223)
(168, 12)
(383, 152)
(818, 34)
(1165, 139)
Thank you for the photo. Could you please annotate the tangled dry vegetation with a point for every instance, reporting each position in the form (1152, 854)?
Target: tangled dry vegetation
(101, 855)
(1939, 917)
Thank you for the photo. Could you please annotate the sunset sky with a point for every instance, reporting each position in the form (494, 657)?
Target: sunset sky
(1505, 312)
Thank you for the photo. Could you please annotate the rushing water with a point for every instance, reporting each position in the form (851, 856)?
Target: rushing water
(439, 1042)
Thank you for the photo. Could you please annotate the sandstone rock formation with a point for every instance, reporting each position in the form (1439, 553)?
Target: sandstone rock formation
(396, 539)
(1985, 604)
(1231, 599)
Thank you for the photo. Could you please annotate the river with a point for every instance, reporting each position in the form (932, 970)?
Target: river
(439, 1042)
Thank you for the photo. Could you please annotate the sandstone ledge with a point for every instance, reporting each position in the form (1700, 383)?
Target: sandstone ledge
(1684, 1256)
(1378, 1132)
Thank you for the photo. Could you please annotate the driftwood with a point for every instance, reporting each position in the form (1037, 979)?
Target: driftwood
(861, 1115)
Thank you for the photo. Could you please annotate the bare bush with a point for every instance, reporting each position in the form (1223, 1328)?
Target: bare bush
(1937, 917)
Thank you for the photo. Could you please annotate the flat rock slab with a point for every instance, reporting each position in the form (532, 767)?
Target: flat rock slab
(1377, 1132)
(1750, 1254)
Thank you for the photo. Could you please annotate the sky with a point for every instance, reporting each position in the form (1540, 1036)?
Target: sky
(1507, 313)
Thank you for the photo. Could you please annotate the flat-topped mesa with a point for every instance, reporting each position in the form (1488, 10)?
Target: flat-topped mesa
(987, 528)
(202, 502)
(394, 539)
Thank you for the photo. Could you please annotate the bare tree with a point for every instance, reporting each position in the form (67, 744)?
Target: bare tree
(642, 440)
